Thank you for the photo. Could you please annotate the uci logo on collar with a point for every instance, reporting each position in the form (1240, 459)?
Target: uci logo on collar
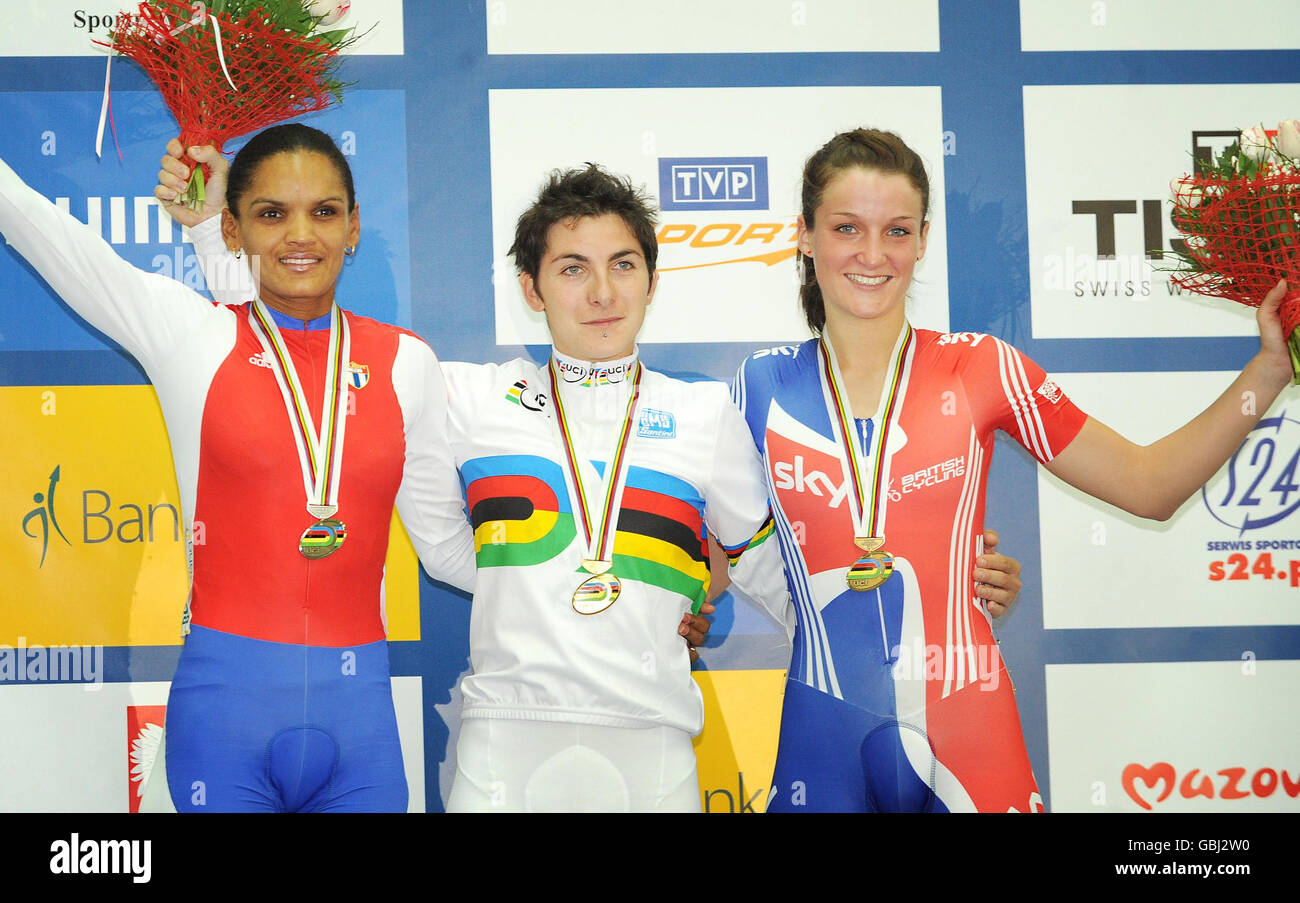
(656, 424)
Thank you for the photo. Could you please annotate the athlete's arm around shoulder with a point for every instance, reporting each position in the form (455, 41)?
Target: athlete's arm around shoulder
(429, 500)
(149, 314)
(1154, 480)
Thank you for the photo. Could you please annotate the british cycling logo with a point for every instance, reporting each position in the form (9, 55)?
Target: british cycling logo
(44, 513)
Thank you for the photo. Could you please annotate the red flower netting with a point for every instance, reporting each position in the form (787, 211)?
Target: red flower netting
(1245, 236)
(279, 74)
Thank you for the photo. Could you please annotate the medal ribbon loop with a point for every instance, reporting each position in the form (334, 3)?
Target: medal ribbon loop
(598, 526)
(320, 452)
(867, 501)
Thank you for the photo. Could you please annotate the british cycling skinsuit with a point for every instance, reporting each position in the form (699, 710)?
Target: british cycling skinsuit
(896, 698)
(534, 658)
(281, 698)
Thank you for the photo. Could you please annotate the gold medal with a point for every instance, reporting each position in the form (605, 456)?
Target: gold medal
(596, 594)
(323, 538)
(870, 571)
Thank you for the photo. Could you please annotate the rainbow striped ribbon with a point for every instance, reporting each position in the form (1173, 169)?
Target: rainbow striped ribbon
(868, 497)
(598, 536)
(320, 452)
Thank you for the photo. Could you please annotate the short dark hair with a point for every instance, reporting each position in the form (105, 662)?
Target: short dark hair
(576, 194)
(861, 148)
(279, 139)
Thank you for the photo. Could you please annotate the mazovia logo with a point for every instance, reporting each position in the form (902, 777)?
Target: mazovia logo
(100, 521)
(1155, 784)
(713, 183)
(1260, 485)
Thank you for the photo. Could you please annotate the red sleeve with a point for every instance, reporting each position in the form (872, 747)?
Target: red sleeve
(1017, 397)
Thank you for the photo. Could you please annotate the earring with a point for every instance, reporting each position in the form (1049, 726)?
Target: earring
(238, 252)
(350, 250)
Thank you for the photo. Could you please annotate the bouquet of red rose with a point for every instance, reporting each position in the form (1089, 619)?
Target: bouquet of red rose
(230, 67)
(1241, 218)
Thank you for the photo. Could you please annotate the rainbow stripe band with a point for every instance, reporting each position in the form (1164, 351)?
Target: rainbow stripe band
(319, 451)
(597, 536)
(868, 505)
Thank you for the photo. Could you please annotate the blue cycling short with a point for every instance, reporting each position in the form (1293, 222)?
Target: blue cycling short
(257, 726)
(837, 757)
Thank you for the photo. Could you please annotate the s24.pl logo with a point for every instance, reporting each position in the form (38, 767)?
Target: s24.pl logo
(1261, 483)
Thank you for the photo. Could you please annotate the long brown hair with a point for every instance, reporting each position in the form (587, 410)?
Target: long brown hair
(866, 148)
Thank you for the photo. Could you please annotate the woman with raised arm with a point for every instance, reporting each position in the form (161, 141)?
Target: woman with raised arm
(295, 427)
(896, 700)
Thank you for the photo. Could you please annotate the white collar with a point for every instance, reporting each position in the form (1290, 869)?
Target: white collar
(576, 373)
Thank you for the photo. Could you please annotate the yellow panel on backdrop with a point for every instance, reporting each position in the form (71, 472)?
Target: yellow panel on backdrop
(737, 748)
(90, 515)
(90, 524)
(402, 585)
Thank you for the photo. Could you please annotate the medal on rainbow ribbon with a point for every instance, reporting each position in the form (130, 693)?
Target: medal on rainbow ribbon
(320, 451)
(868, 476)
(600, 590)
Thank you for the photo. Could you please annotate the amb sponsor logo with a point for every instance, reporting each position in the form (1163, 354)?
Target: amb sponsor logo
(700, 191)
(653, 424)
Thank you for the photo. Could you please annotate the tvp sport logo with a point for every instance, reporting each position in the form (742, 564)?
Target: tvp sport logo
(713, 183)
(697, 191)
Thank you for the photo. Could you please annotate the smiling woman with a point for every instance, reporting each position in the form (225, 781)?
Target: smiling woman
(291, 465)
(292, 207)
(895, 699)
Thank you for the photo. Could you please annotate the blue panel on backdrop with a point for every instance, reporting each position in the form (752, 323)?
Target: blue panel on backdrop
(49, 141)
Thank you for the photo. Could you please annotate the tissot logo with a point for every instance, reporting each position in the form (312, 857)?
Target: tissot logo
(713, 183)
(1205, 145)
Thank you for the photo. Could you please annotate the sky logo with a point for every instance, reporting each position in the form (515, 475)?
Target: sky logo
(713, 183)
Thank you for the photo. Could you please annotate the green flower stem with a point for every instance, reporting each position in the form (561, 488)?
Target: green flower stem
(1293, 346)
(195, 192)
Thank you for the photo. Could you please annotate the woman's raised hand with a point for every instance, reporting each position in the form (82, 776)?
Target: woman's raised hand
(175, 176)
